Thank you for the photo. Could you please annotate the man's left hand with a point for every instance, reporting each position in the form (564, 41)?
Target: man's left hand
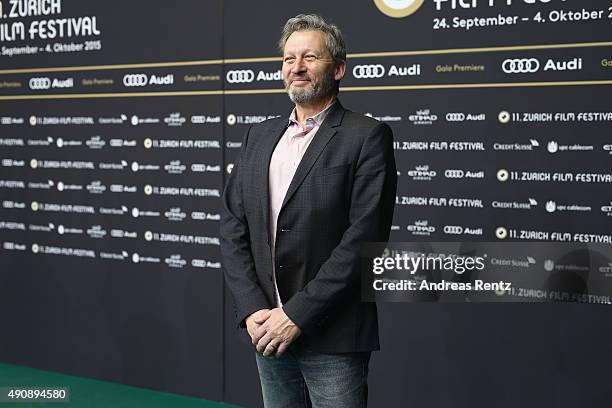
(276, 334)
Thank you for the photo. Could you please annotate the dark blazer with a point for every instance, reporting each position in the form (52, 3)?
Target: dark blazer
(341, 197)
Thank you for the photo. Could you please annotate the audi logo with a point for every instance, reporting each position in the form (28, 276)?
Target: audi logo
(130, 80)
(452, 173)
(453, 229)
(40, 83)
(237, 76)
(368, 71)
(455, 117)
(608, 147)
(521, 66)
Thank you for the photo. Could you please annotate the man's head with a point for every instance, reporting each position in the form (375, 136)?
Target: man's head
(314, 58)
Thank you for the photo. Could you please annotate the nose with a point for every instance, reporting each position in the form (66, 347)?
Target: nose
(298, 66)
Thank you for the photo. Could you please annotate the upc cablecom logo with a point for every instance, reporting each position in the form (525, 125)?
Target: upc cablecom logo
(398, 8)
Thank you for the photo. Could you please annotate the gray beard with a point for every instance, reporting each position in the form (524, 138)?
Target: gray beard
(323, 90)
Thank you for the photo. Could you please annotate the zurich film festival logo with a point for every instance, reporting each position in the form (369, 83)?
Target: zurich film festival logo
(398, 8)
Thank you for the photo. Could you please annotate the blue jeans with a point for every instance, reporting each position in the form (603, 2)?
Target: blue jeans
(302, 378)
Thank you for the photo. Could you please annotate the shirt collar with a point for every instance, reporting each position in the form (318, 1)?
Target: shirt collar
(312, 121)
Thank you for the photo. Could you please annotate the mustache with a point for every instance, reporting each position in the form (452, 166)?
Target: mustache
(299, 78)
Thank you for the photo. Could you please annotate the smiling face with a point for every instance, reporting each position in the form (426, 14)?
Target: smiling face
(308, 69)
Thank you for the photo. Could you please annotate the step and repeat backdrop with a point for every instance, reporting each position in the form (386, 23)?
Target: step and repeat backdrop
(120, 122)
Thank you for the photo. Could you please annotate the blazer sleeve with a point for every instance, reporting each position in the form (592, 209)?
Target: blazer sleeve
(238, 264)
(370, 217)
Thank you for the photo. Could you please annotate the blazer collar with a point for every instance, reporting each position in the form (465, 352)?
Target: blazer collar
(316, 119)
(335, 115)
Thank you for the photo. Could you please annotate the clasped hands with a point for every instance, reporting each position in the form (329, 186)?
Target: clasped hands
(271, 331)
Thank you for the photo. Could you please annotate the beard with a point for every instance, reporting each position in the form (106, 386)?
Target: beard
(317, 91)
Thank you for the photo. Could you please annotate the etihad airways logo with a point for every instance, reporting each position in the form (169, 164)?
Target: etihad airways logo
(423, 117)
(421, 173)
(421, 227)
(398, 8)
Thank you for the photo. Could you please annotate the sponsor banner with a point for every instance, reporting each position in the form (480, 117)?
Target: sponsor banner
(171, 79)
(450, 68)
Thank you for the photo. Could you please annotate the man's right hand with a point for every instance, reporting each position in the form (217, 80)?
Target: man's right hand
(255, 320)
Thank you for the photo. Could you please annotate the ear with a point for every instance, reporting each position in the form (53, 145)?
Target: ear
(340, 71)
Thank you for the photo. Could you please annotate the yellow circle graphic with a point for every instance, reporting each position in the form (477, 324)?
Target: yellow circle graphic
(398, 8)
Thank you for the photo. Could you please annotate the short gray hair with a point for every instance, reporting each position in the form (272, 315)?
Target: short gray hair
(312, 22)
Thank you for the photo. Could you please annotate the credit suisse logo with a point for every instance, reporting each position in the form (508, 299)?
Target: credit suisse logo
(368, 71)
(521, 66)
(40, 83)
(131, 80)
(238, 76)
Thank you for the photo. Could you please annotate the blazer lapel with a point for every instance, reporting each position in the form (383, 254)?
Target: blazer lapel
(320, 140)
(275, 133)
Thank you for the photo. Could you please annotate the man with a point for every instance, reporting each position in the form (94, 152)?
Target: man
(307, 192)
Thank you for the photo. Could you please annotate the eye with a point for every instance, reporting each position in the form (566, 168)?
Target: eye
(310, 58)
(289, 60)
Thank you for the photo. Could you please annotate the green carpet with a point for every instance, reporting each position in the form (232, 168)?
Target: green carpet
(85, 392)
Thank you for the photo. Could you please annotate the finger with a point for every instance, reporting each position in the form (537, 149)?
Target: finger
(281, 349)
(252, 330)
(261, 318)
(270, 349)
(258, 333)
(263, 343)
